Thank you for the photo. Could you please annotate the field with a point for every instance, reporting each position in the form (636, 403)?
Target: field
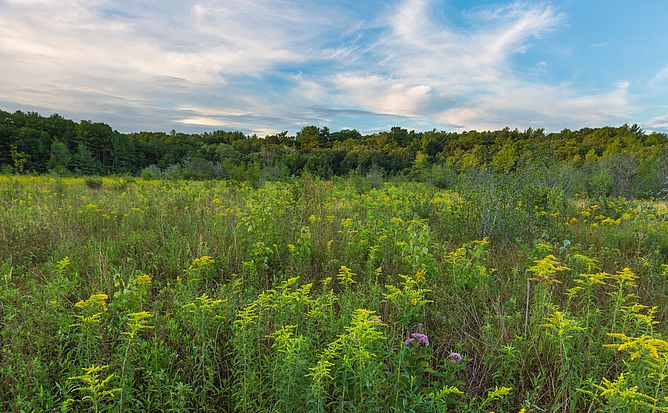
(496, 294)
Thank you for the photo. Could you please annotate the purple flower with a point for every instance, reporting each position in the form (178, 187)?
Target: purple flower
(455, 358)
(421, 338)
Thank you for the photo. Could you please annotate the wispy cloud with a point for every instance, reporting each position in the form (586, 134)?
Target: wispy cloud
(462, 77)
(660, 76)
(203, 121)
(262, 65)
(79, 56)
(521, 105)
(659, 123)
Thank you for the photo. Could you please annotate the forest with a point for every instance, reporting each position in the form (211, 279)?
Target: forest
(616, 161)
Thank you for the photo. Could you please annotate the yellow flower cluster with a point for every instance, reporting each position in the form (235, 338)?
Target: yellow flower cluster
(203, 262)
(92, 309)
(545, 269)
(96, 302)
(639, 346)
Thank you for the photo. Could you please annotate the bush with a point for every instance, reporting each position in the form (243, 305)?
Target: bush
(375, 176)
(93, 183)
(150, 172)
(441, 176)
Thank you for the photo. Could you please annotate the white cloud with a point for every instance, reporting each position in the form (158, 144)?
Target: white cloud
(213, 111)
(418, 46)
(659, 123)
(382, 95)
(76, 56)
(202, 121)
(660, 76)
(462, 76)
(309, 88)
(519, 105)
(263, 132)
(274, 65)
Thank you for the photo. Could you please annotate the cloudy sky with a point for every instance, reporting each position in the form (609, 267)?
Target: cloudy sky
(268, 66)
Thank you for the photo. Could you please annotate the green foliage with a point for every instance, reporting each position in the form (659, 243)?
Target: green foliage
(408, 299)
(60, 157)
(173, 295)
(83, 161)
(92, 388)
(618, 161)
(19, 159)
(505, 159)
(93, 183)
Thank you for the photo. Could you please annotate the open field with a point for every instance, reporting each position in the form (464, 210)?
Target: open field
(496, 294)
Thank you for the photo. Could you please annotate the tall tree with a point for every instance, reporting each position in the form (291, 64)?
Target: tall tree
(83, 161)
(60, 157)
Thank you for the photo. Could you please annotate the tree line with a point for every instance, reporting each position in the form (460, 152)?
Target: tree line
(622, 160)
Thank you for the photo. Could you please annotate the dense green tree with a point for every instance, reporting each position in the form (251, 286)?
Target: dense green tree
(620, 160)
(35, 144)
(60, 157)
(309, 138)
(19, 159)
(83, 161)
(123, 154)
(506, 158)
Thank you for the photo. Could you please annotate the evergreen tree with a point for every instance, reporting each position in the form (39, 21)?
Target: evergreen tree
(60, 157)
(83, 161)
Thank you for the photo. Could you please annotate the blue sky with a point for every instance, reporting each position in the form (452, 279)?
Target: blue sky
(268, 66)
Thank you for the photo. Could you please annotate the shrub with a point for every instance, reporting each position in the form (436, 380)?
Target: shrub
(93, 183)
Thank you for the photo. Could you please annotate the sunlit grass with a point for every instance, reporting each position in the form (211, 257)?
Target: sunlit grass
(315, 295)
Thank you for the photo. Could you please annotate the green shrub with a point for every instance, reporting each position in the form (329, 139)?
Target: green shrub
(93, 183)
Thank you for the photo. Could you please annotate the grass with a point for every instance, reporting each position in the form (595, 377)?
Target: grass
(146, 295)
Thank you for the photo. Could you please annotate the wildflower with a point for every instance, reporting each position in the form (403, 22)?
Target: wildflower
(455, 357)
(562, 325)
(143, 280)
(203, 262)
(419, 337)
(137, 322)
(91, 309)
(62, 264)
(419, 276)
(546, 268)
(345, 276)
(95, 301)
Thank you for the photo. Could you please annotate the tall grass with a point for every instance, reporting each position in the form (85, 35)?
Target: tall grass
(325, 296)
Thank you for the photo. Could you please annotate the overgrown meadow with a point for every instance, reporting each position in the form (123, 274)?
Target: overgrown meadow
(499, 294)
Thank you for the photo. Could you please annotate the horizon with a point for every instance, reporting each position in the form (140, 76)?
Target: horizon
(280, 66)
(388, 129)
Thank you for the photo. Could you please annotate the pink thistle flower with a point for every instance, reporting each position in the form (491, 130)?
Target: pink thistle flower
(455, 358)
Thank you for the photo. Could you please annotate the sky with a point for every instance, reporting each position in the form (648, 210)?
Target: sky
(269, 66)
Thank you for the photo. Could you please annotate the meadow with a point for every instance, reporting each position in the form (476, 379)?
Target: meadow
(494, 293)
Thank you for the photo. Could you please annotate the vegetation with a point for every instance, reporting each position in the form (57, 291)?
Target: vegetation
(622, 161)
(500, 271)
(506, 288)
